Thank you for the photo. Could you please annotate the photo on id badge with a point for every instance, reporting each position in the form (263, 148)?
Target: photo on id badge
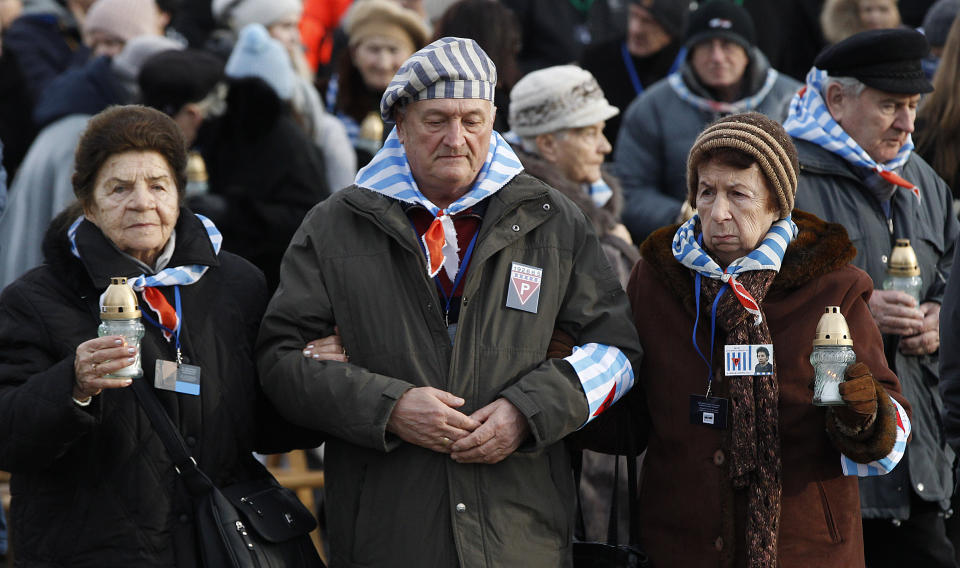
(748, 359)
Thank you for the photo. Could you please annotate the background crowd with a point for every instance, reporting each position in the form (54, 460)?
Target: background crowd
(279, 105)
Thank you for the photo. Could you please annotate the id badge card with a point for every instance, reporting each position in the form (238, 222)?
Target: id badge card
(181, 378)
(741, 360)
(712, 412)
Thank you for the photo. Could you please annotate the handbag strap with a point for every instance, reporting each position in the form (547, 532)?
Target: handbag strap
(197, 482)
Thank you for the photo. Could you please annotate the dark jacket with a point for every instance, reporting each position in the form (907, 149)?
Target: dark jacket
(691, 514)
(80, 90)
(656, 135)
(831, 188)
(620, 254)
(267, 172)
(356, 263)
(94, 486)
(605, 62)
(46, 45)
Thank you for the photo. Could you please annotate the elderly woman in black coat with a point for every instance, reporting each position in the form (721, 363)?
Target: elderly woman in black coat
(92, 483)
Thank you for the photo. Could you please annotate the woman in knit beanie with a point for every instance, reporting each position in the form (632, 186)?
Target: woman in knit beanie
(382, 35)
(741, 468)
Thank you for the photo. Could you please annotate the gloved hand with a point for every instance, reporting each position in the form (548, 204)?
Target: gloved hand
(859, 391)
(561, 345)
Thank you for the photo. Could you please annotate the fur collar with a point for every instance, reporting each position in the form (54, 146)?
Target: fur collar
(820, 248)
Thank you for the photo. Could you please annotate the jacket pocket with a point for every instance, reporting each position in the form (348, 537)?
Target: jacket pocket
(831, 523)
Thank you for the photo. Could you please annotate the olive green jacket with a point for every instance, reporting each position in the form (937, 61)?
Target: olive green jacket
(356, 262)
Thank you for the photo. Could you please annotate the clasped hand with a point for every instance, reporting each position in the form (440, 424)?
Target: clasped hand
(897, 313)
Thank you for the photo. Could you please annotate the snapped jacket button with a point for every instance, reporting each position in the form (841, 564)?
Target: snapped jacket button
(461, 507)
(719, 457)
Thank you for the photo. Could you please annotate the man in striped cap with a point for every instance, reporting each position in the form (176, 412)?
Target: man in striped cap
(478, 324)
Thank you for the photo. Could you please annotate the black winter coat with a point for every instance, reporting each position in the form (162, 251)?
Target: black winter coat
(94, 486)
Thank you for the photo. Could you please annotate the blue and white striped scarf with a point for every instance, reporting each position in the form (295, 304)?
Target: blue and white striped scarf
(388, 173)
(169, 276)
(743, 105)
(809, 119)
(767, 256)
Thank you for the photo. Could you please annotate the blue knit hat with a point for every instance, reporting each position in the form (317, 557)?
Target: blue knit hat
(449, 68)
(259, 55)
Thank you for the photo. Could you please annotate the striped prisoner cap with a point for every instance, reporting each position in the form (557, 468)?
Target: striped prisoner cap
(449, 68)
(761, 138)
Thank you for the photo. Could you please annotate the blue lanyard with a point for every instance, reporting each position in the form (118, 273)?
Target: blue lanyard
(174, 332)
(460, 273)
(632, 69)
(713, 327)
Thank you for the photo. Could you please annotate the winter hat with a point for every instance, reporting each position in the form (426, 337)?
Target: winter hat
(449, 68)
(671, 14)
(939, 18)
(723, 19)
(888, 60)
(369, 18)
(259, 55)
(125, 19)
(138, 50)
(760, 137)
(172, 79)
(557, 98)
(239, 13)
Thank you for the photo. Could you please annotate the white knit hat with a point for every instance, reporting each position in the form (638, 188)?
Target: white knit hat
(125, 19)
(259, 55)
(238, 13)
(557, 98)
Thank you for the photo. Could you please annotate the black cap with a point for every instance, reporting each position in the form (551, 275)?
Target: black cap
(887, 60)
(671, 14)
(722, 19)
(174, 78)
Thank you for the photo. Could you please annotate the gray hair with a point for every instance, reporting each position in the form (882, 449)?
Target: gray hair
(529, 143)
(850, 86)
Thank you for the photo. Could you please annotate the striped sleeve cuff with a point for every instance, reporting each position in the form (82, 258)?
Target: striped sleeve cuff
(605, 374)
(886, 464)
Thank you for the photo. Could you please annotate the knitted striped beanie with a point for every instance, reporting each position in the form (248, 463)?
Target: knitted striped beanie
(759, 137)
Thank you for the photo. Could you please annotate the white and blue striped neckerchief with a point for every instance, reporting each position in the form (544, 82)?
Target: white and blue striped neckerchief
(170, 276)
(743, 105)
(767, 256)
(599, 192)
(810, 120)
(388, 173)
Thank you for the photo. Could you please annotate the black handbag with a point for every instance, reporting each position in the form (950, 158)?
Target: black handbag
(588, 554)
(251, 524)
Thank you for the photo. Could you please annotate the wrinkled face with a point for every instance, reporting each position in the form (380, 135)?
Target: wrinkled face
(286, 30)
(446, 141)
(735, 208)
(878, 14)
(578, 152)
(762, 357)
(135, 203)
(645, 35)
(719, 63)
(878, 121)
(378, 59)
(103, 43)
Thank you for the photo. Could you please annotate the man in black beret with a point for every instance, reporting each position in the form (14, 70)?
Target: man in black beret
(851, 125)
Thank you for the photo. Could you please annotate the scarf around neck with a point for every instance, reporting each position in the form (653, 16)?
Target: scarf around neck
(755, 463)
(709, 105)
(388, 173)
(810, 120)
(170, 276)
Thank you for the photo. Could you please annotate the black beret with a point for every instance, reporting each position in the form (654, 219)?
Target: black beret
(887, 60)
(174, 78)
(723, 19)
